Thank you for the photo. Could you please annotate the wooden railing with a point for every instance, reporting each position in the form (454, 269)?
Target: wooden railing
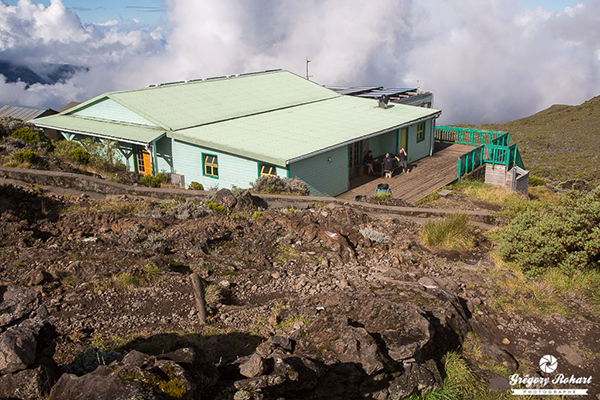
(472, 137)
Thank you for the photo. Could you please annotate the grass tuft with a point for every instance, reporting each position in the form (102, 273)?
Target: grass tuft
(453, 232)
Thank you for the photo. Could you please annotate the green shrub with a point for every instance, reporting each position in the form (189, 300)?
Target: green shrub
(384, 196)
(10, 124)
(25, 156)
(533, 181)
(62, 148)
(80, 156)
(452, 232)
(195, 186)
(275, 185)
(564, 235)
(258, 214)
(216, 207)
(27, 135)
(154, 180)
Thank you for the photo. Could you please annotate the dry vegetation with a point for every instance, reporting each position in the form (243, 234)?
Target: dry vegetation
(559, 143)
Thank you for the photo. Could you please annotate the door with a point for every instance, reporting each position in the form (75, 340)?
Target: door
(354, 158)
(144, 165)
(403, 139)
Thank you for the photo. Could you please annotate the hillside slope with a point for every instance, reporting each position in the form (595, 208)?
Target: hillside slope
(560, 143)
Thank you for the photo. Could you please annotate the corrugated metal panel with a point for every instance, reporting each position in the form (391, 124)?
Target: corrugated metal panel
(279, 136)
(180, 106)
(112, 111)
(117, 131)
(22, 113)
(325, 174)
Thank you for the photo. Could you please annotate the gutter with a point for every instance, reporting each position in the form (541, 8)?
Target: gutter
(337, 146)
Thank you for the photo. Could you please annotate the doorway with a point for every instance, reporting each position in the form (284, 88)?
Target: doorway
(143, 163)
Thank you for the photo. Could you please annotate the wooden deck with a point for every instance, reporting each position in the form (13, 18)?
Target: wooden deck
(425, 177)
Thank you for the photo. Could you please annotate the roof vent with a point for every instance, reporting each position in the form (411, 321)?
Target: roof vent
(383, 101)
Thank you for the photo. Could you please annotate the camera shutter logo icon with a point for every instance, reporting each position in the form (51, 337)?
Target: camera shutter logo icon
(548, 364)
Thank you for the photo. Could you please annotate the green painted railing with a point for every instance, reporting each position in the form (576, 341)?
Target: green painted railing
(489, 154)
(492, 148)
(472, 137)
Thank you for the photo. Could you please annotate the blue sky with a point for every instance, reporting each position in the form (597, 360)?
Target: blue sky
(550, 5)
(101, 11)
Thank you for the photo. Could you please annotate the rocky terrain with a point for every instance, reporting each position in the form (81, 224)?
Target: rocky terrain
(322, 301)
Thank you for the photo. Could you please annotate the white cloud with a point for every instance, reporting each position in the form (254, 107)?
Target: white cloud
(112, 22)
(486, 61)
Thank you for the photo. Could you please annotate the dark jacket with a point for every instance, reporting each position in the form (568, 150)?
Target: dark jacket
(388, 163)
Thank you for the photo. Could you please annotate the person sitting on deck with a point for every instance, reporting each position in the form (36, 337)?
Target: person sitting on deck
(388, 165)
(368, 162)
(401, 157)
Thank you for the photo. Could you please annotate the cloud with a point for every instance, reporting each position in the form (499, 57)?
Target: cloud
(35, 35)
(485, 61)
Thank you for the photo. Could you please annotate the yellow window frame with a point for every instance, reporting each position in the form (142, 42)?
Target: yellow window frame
(420, 132)
(210, 165)
(267, 170)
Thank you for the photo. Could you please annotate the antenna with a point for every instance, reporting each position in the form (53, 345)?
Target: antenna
(307, 75)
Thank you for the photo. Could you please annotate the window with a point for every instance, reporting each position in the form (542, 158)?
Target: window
(421, 132)
(266, 169)
(211, 166)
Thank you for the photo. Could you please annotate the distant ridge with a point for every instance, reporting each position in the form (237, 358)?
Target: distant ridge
(46, 74)
(560, 143)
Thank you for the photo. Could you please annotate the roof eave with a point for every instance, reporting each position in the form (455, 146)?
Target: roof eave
(137, 142)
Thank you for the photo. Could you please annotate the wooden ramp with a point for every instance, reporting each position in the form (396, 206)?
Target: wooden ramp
(425, 177)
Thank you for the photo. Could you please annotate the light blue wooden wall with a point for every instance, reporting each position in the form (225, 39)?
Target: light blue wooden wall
(417, 150)
(390, 142)
(113, 111)
(164, 155)
(325, 174)
(233, 170)
(384, 143)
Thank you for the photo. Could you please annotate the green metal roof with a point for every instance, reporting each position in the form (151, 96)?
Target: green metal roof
(132, 133)
(275, 116)
(287, 135)
(183, 105)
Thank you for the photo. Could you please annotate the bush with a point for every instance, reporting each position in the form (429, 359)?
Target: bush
(452, 232)
(195, 186)
(27, 135)
(25, 156)
(154, 180)
(62, 148)
(80, 156)
(275, 185)
(565, 235)
(9, 124)
(533, 181)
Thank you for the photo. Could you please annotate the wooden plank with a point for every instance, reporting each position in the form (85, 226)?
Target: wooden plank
(427, 175)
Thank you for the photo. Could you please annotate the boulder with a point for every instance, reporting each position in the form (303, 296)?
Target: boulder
(26, 344)
(26, 384)
(16, 304)
(137, 376)
(17, 349)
